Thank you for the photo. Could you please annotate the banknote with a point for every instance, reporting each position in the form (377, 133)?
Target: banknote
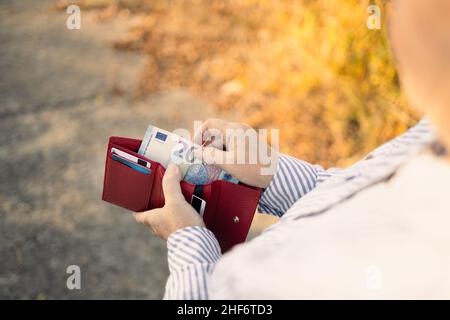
(165, 147)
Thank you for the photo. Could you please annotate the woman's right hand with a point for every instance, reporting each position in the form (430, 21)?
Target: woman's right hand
(238, 149)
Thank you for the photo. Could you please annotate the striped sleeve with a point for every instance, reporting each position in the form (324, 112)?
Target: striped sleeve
(192, 254)
(293, 179)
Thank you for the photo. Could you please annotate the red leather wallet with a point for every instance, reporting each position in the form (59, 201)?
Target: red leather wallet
(228, 211)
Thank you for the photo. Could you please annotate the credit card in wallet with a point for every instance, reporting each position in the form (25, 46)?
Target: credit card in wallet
(130, 157)
(130, 164)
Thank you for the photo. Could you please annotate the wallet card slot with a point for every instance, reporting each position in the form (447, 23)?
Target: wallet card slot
(133, 153)
(125, 186)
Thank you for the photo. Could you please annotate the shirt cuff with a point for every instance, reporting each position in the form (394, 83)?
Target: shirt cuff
(292, 180)
(192, 245)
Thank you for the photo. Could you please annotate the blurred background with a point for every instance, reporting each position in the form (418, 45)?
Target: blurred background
(311, 68)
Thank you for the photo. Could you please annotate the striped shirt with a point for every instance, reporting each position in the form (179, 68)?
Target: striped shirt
(292, 258)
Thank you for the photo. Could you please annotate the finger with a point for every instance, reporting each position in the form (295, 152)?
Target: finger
(210, 155)
(214, 127)
(222, 159)
(171, 184)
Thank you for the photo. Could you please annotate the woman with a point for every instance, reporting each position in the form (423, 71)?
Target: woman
(378, 229)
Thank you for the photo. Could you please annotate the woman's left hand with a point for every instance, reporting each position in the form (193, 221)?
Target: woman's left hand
(176, 214)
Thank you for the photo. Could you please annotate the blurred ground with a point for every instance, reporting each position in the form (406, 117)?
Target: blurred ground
(62, 93)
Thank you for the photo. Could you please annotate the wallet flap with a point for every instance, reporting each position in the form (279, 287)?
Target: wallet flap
(236, 207)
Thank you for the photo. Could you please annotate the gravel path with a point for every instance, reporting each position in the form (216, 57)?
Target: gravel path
(56, 113)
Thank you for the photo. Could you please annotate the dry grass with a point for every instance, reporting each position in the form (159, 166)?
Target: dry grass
(308, 67)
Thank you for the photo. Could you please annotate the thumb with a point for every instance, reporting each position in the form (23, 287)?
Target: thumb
(171, 184)
(147, 217)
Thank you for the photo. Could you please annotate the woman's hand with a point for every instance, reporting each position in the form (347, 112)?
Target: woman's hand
(176, 214)
(238, 149)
